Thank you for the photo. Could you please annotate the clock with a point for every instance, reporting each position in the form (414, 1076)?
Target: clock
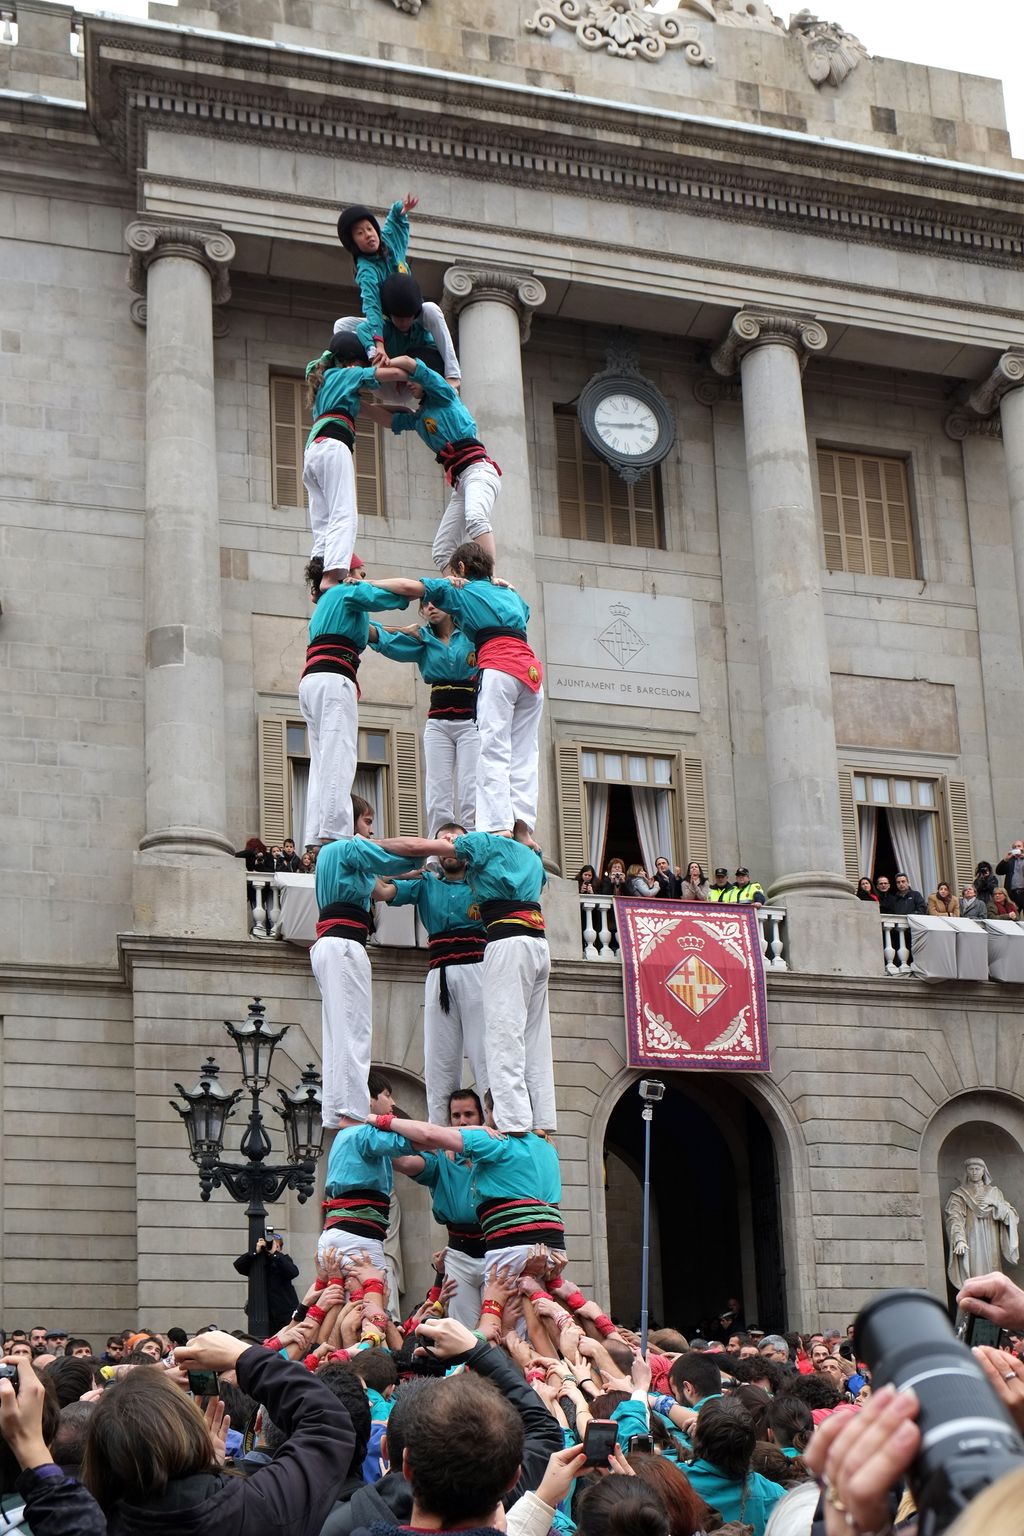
(627, 421)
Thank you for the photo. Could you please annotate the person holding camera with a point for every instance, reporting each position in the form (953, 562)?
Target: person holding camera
(280, 1271)
(32, 1487)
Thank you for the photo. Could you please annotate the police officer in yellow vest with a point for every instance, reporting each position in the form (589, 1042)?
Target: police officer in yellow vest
(745, 892)
(720, 885)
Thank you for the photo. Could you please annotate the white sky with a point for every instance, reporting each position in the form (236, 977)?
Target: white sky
(986, 38)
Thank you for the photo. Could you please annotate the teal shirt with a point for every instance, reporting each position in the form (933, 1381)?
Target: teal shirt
(478, 605)
(441, 904)
(340, 392)
(347, 870)
(751, 1501)
(439, 661)
(372, 272)
(345, 610)
(451, 1193)
(519, 1167)
(632, 1419)
(360, 1158)
(442, 418)
(499, 868)
(398, 343)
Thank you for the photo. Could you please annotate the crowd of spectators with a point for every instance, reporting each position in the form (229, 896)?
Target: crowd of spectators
(668, 884)
(321, 1431)
(280, 858)
(984, 897)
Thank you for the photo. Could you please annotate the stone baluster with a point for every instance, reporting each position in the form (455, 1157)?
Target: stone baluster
(257, 885)
(182, 874)
(605, 949)
(888, 950)
(589, 931)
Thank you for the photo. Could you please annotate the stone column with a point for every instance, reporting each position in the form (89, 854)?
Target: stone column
(494, 306)
(796, 686)
(182, 271)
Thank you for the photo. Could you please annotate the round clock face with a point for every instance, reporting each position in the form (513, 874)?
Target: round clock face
(626, 424)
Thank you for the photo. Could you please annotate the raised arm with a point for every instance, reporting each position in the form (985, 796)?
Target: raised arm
(401, 586)
(416, 847)
(432, 1138)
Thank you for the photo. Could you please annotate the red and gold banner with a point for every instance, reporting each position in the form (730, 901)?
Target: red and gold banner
(693, 981)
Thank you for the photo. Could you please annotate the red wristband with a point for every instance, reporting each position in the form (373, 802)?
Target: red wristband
(575, 1300)
(604, 1325)
(493, 1308)
(311, 1362)
(357, 1294)
(434, 1294)
(539, 1296)
(383, 1122)
(319, 1284)
(273, 1343)
(373, 1285)
(339, 1354)
(536, 1374)
(316, 1313)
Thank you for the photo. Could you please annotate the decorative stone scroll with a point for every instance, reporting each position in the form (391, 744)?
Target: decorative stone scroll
(149, 239)
(626, 29)
(830, 52)
(410, 7)
(758, 328)
(977, 413)
(755, 15)
(505, 285)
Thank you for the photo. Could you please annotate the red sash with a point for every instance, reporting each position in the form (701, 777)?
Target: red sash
(505, 653)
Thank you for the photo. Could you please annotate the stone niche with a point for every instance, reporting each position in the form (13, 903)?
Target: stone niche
(1004, 1157)
(888, 712)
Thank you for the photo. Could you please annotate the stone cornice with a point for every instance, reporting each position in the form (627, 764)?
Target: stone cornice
(179, 81)
(977, 414)
(752, 328)
(466, 284)
(149, 239)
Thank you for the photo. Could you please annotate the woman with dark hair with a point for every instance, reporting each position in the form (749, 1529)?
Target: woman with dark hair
(790, 1424)
(985, 881)
(586, 881)
(622, 1506)
(71, 1377)
(256, 855)
(866, 890)
(151, 1463)
(695, 883)
(686, 1510)
(757, 1403)
(723, 1443)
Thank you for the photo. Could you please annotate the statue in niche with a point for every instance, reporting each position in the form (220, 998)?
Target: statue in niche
(981, 1224)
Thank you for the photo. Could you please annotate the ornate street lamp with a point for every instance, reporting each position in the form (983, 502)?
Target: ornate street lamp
(254, 1182)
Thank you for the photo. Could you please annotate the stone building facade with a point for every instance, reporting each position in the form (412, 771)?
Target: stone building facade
(814, 256)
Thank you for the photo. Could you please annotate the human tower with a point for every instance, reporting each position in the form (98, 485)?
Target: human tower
(497, 1186)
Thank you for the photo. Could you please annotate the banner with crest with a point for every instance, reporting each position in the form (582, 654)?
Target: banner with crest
(693, 982)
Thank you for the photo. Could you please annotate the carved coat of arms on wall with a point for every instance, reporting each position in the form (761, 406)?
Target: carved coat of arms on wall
(830, 53)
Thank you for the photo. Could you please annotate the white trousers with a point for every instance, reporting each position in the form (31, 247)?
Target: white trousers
(468, 513)
(342, 971)
(517, 1033)
(330, 708)
(507, 721)
(450, 752)
(348, 1245)
(515, 1259)
(447, 1035)
(329, 475)
(470, 1276)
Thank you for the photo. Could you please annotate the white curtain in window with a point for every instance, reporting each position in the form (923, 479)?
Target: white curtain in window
(903, 829)
(926, 843)
(653, 823)
(300, 790)
(867, 837)
(367, 783)
(597, 825)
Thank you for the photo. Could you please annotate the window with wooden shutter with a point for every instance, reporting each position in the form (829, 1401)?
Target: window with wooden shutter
(960, 831)
(572, 837)
(848, 813)
(273, 779)
(595, 503)
(695, 814)
(290, 421)
(865, 514)
(407, 784)
(881, 809)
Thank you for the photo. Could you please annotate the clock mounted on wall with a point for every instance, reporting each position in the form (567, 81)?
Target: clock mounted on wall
(625, 418)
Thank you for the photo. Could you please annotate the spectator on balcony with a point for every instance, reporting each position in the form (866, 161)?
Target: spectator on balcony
(942, 902)
(614, 882)
(719, 885)
(586, 881)
(1011, 867)
(695, 886)
(1001, 906)
(307, 864)
(866, 890)
(985, 881)
(637, 883)
(885, 893)
(745, 892)
(907, 901)
(971, 904)
(290, 862)
(256, 855)
(669, 884)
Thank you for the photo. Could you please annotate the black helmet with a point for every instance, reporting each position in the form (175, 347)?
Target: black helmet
(347, 218)
(400, 295)
(347, 348)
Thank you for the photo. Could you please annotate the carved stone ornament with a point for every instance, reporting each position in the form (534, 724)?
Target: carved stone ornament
(757, 328)
(830, 52)
(754, 14)
(709, 389)
(977, 413)
(410, 7)
(627, 29)
(149, 239)
(506, 285)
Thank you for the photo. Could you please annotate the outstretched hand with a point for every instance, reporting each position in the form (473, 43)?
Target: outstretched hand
(21, 1417)
(994, 1297)
(861, 1456)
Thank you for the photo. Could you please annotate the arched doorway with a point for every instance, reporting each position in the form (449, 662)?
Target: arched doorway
(716, 1228)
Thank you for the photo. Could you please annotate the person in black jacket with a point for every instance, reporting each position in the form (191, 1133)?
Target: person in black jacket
(54, 1504)
(907, 899)
(388, 1501)
(281, 1271)
(150, 1461)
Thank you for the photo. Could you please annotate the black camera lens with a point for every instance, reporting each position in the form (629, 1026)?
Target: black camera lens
(968, 1439)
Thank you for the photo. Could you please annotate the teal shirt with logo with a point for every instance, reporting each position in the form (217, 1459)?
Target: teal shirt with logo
(442, 418)
(441, 904)
(499, 868)
(347, 870)
(345, 610)
(439, 661)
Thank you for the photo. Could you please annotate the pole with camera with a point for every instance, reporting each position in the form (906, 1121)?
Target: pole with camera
(652, 1092)
(256, 1183)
